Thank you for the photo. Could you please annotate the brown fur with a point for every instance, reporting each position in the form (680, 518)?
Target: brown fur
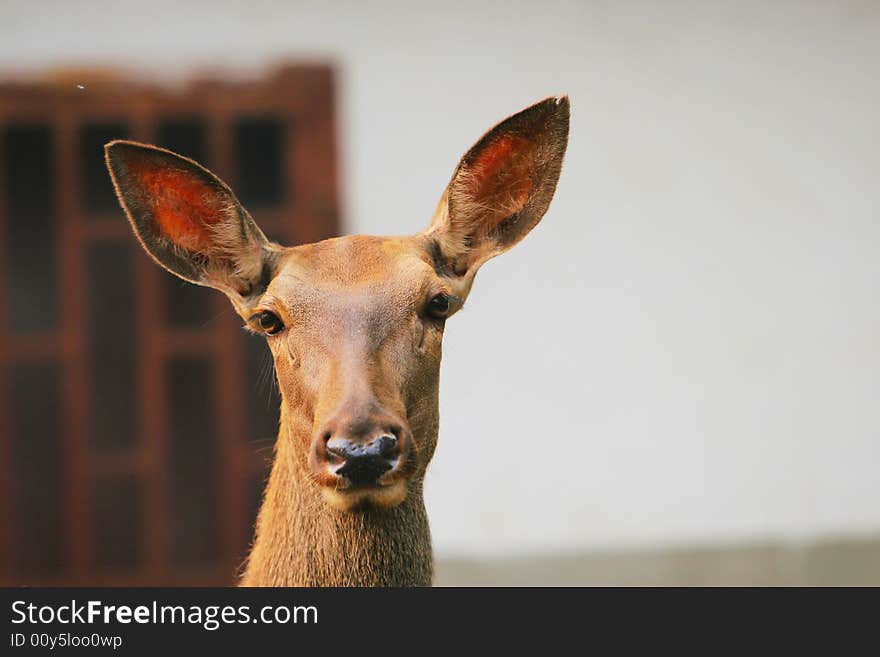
(359, 345)
(302, 542)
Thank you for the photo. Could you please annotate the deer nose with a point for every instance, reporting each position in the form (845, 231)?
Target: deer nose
(362, 463)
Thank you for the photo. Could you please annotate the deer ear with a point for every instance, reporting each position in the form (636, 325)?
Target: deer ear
(502, 186)
(189, 221)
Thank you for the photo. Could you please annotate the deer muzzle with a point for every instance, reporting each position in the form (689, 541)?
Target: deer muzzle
(362, 461)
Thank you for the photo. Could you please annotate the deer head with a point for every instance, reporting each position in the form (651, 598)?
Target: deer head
(354, 323)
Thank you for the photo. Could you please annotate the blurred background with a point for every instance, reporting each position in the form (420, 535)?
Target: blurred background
(673, 380)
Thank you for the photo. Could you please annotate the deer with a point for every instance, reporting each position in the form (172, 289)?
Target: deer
(354, 325)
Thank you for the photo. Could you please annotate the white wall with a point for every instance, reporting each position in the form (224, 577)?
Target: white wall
(688, 347)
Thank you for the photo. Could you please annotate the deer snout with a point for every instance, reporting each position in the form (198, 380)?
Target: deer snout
(362, 458)
(362, 463)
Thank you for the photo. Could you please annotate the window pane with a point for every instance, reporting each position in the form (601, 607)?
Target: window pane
(98, 195)
(118, 522)
(262, 401)
(185, 136)
(259, 159)
(187, 305)
(29, 261)
(112, 344)
(193, 459)
(36, 452)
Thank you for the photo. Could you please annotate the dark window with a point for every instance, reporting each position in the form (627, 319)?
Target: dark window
(187, 305)
(193, 459)
(262, 400)
(113, 344)
(97, 190)
(29, 261)
(117, 522)
(259, 158)
(36, 444)
(184, 136)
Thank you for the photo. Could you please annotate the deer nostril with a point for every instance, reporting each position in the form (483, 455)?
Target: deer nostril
(339, 446)
(387, 446)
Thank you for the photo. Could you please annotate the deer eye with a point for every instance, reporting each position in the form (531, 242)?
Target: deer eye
(269, 322)
(438, 306)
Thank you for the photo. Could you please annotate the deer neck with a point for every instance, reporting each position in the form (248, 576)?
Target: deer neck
(301, 541)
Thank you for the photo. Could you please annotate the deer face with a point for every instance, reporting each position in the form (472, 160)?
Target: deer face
(355, 323)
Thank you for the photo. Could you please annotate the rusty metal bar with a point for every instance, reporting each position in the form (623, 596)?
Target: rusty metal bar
(7, 483)
(76, 491)
(30, 346)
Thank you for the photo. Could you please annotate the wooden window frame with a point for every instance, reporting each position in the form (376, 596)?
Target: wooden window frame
(302, 97)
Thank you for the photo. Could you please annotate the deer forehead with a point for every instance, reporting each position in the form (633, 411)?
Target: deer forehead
(353, 283)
